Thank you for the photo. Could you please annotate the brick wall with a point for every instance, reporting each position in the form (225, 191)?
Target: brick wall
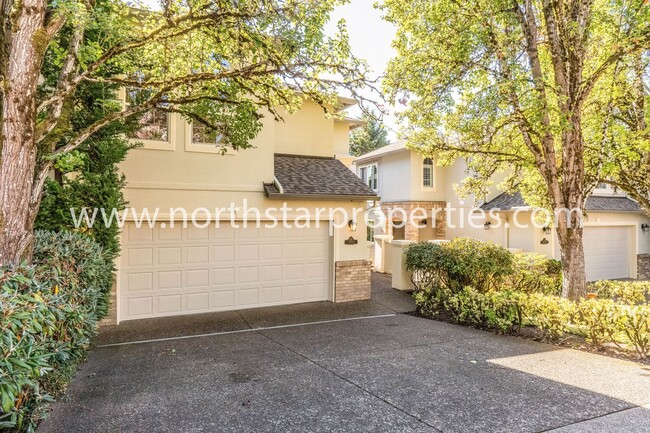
(352, 280)
(412, 232)
(643, 266)
(111, 317)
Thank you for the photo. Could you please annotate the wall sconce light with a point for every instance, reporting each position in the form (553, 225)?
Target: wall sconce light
(645, 227)
(422, 223)
(352, 224)
(487, 225)
(546, 230)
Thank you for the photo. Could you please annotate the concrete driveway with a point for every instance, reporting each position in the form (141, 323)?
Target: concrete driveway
(361, 367)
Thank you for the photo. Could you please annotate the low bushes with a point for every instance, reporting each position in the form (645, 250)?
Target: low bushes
(460, 263)
(627, 292)
(49, 315)
(496, 292)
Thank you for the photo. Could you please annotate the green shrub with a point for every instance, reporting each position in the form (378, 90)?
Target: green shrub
(76, 262)
(627, 292)
(460, 263)
(634, 322)
(535, 273)
(49, 316)
(551, 314)
(494, 310)
(598, 319)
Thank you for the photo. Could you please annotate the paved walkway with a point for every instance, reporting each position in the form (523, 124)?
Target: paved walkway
(363, 368)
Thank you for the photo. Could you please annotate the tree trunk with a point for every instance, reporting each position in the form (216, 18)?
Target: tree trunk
(574, 279)
(26, 42)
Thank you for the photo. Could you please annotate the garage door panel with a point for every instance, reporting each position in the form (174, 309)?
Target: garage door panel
(170, 279)
(167, 271)
(169, 256)
(223, 276)
(223, 299)
(168, 304)
(271, 294)
(271, 251)
(138, 281)
(170, 234)
(197, 277)
(607, 252)
(199, 301)
(248, 253)
(197, 254)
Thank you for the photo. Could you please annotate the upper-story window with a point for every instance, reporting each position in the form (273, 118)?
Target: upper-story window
(369, 174)
(427, 173)
(203, 134)
(154, 123)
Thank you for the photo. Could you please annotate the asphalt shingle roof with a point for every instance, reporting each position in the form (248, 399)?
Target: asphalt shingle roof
(318, 176)
(594, 203)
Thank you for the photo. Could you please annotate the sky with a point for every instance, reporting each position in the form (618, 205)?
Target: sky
(370, 39)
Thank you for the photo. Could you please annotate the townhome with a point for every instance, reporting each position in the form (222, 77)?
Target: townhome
(213, 245)
(616, 230)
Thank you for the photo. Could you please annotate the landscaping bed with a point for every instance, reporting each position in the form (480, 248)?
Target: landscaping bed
(485, 286)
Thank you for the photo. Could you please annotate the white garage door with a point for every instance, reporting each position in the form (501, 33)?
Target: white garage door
(167, 271)
(607, 253)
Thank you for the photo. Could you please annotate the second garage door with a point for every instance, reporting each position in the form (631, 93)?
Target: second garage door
(168, 271)
(607, 252)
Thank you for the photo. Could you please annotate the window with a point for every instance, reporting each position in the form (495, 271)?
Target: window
(427, 173)
(369, 175)
(203, 134)
(370, 234)
(154, 123)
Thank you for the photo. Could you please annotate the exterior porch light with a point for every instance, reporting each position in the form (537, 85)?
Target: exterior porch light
(645, 227)
(352, 224)
(546, 230)
(487, 225)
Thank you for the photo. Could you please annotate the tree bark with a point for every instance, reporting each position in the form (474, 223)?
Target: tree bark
(573, 264)
(27, 41)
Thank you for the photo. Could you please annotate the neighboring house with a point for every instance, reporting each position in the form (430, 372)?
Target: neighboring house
(167, 271)
(616, 234)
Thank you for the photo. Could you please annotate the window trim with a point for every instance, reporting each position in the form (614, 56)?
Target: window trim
(212, 148)
(433, 175)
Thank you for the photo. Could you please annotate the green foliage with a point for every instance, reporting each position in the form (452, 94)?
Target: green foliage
(535, 273)
(501, 311)
(627, 292)
(458, 264)
(88, 177)
(371, 136)
(49, 315)
(599, 319)
(634, 322)
(551, 314)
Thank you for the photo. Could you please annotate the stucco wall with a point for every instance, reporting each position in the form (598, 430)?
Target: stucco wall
(177, 174)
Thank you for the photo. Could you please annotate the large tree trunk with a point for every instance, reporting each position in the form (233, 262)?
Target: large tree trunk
(26, 42)
(573, 264)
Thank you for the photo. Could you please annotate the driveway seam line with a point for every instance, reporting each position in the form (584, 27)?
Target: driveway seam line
(239, 331)
(308, 359)
(632, 407)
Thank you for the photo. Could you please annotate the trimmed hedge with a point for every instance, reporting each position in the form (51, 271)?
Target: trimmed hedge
(505, 294)
(49, 315)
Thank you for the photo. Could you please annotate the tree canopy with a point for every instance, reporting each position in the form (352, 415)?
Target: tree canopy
(521, 86)
(369, 137)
